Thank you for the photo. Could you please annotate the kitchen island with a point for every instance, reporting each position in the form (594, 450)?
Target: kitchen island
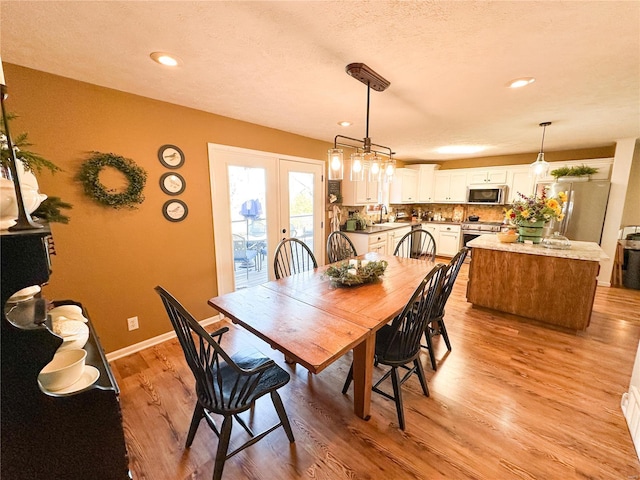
(552, 286)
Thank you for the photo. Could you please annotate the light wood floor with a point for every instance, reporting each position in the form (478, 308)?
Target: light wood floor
(513, 400)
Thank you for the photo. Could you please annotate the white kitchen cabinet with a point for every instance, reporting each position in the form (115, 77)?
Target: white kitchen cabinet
(394, 237)
(448, 242)
(491, 176)
(520, 180)
(432, 228)
(426, 173)
(359, 193)
(446, 236)
(404, 186)
(450, 186)
(372, 242)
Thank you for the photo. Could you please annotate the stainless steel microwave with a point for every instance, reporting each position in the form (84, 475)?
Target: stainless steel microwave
(487, 195)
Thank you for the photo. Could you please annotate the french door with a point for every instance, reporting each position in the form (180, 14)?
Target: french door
(258, 199)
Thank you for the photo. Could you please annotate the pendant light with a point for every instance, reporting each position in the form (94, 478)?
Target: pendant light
(336, 164)
(540, 167)
(357, 167)
(367, 158)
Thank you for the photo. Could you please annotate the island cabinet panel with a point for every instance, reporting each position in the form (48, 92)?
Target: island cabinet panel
(554, 290)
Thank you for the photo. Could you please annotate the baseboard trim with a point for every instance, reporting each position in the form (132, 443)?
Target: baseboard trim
(123, 352)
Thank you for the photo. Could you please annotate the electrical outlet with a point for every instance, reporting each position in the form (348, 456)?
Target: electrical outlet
(132, 323)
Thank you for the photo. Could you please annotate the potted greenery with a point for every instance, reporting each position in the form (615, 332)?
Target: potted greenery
(30, 163)
(581, 173)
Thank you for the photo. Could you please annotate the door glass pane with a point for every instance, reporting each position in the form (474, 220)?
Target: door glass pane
(301, 207)
(247, 195)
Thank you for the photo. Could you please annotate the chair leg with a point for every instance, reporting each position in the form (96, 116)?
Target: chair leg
(198, 413)
(421, 377)
(397, 394)
(277, 402)
(432, 355)
(347, 382)
(223, 446)
(445, 335)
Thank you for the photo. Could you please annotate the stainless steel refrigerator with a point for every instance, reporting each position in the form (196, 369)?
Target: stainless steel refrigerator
(584, 210)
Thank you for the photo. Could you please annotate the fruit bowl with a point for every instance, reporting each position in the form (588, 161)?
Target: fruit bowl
(507, 237)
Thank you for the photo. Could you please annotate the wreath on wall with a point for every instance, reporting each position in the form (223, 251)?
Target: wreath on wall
(136, 176)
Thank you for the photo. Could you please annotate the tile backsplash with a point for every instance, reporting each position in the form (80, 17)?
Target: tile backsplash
(487, 213)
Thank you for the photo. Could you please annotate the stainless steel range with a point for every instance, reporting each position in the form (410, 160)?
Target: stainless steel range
(471, 230)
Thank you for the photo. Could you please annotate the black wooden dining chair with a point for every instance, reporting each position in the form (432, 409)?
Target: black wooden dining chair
(293, 256)
(417, 243)
(339, 247)
(225, 385)
(435, 325)
(398, 343)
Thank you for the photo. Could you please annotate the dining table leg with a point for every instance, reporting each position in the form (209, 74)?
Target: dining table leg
(362, 376)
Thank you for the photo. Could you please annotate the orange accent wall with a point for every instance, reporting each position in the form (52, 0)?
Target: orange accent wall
(108, 259)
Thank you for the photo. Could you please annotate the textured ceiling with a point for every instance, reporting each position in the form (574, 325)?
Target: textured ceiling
(282, 64)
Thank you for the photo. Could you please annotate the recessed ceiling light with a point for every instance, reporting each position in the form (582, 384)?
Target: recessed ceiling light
(521, 82)
(461, 149)
(344, 124)
(166, 59)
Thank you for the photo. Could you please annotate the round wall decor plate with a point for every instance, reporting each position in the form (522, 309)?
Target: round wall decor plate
(172, 183)
(175, 210)
(170, 156)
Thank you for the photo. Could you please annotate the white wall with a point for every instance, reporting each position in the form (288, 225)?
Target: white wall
(620, 178)
(631, 212)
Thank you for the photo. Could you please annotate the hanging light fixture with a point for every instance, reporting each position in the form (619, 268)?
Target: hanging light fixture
(366, 158)
(539, 168)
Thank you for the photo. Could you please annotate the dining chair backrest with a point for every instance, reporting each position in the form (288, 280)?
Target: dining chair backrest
(409, 326)
(293, 256)
(340, 247)
(221, 385)
(417, 243)
(449, 279)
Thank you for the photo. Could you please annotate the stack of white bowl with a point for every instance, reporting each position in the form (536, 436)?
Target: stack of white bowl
(64, 370)
(69, 323)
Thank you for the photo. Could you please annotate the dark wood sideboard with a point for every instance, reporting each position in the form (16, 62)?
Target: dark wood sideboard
(47, 435)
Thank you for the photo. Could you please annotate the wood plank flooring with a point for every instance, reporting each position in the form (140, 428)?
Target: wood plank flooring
(513, 400)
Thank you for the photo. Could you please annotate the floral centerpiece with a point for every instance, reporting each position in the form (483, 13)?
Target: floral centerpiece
(530, 213)
(535, 209)
(356, 272)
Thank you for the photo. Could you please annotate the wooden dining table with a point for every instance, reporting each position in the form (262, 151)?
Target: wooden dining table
(314, 322)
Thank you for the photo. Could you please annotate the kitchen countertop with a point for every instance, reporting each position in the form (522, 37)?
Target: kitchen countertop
(383, 227)
(589, 251)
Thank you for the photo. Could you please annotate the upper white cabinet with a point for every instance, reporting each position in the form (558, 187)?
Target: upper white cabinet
(450, 186)
(520, 180)
(426, 174)
(404, 186)
(490, 176)
(359, 193)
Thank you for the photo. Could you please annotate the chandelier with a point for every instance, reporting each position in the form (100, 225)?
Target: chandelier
(369, 158)
(540, 167)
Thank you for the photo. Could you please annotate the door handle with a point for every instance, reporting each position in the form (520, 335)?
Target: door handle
(284, 230)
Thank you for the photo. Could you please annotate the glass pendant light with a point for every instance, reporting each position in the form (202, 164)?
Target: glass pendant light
(389, 169)
(375, 168)
(540, 167)
(357, 167)
(336, 164)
